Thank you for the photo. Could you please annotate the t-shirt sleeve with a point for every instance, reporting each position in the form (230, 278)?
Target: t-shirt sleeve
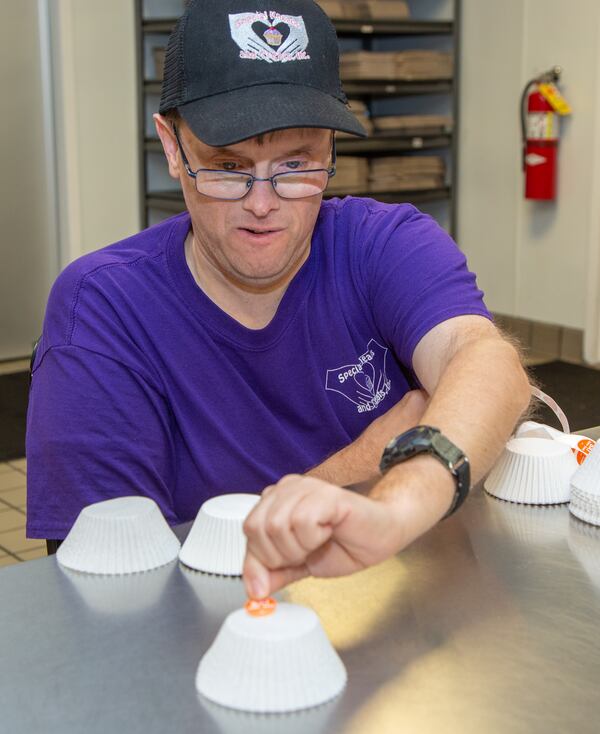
(417, 278)
(96, 429)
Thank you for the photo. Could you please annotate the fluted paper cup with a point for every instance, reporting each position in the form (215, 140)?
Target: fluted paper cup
(216, 542)
(533, 471)
(584, 506)
(585, 489)
(587, 476)
(118, 536)
(278, 663)
(317, 720)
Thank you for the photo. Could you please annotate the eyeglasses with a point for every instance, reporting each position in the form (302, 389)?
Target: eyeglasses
(234, 185)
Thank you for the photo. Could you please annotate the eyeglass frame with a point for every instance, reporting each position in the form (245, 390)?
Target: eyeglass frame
(251, 178)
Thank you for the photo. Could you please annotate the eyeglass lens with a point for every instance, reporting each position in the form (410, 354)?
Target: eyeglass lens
(290, 185)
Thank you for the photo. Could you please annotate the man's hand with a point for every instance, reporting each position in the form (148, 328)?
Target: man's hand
(304, 526)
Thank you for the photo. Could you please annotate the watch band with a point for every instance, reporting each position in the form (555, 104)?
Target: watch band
(429, 440)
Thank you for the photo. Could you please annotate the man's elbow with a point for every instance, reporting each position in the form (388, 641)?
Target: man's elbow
(518, 381)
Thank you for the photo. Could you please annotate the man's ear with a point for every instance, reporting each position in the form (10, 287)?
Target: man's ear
(169, 143)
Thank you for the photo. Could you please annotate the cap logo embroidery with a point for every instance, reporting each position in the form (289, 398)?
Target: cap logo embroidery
(270, 36)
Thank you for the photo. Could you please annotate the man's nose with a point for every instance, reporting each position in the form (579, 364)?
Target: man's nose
(262, 199)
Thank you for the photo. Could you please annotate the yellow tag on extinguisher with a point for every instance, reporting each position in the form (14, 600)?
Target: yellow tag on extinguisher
(552, 95)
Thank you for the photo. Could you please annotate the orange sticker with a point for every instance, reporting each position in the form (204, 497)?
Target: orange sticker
(260, 607)
(583, 449)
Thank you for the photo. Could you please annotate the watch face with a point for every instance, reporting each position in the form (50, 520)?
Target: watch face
(414, 441)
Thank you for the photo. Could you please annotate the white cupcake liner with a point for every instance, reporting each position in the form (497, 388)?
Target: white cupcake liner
(274, 664)
(216, 542)
(119, 536)
(121, 595)
(533, 471)
(587, 476)
(585, 506)
(317, 720)
(584, 542)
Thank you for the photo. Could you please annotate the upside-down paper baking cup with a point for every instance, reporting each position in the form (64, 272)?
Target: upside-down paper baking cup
(533, 471)
(316, 720)
(585, 489)
(272, 664)
(584, 506)
(216, 542)
(118, 536)
(587, 476)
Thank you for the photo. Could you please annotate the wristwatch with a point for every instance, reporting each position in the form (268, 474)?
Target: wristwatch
(429, 440)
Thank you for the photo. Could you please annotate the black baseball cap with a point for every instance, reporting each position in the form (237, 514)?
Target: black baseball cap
(235, 69)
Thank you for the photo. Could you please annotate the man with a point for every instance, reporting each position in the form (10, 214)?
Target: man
(266, 338)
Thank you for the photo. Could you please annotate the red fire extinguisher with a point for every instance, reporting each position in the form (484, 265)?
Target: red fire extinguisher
(541, 105)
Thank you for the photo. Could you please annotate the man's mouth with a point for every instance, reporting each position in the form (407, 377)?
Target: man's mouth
(256, 230)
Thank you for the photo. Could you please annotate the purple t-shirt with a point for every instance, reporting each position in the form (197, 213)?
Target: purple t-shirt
(142, 385)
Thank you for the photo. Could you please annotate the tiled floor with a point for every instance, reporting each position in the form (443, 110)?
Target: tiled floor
(14, 546)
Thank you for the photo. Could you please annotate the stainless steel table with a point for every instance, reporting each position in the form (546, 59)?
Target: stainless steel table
(487, 625)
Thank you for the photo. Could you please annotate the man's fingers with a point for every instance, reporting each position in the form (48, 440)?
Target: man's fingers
(260, 582)
(307, 524)
(259, 542)
(256, 577)
(269, 528)
(284, 576)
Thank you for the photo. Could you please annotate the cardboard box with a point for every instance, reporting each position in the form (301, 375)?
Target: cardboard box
(386, 9)
(333, 8)
(407, 124)
(361, 65)
(406, 173)
(412, 65)
(424, 65)
(352, 173)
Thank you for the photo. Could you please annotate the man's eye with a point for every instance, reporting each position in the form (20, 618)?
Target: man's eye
(228, 166)
(294, 165)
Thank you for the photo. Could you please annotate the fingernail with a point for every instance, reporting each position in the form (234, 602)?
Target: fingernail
(258, 588)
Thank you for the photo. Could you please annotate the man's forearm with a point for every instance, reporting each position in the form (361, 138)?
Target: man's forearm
(359, 461)
(478, 400)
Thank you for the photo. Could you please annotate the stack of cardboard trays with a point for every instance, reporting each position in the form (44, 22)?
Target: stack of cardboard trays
(359, 108)
(407, 173)
(352, 174)
(413, 65)
(424, 64)
(413, 124)
(366, 9)
(333, 8)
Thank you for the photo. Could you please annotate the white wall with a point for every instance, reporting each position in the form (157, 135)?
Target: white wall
(97, 122)
(534, 260)
(28, 245)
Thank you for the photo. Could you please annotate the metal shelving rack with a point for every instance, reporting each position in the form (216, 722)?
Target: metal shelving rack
(380, 144)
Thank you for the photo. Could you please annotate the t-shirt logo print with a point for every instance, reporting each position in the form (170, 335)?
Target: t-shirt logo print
(364, 383)
(270, 36)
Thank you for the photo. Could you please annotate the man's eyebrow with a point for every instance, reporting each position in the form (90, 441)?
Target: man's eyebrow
(220, 152)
